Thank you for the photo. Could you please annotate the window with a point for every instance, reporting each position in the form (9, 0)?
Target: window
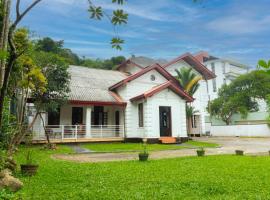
(98, 116)
(140, 113)
(77, 115)
(194, 121)
(54, 117)
(213, 67)
(223, 68)
(214, 85)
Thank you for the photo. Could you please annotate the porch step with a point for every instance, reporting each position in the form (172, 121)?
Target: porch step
(167, 140)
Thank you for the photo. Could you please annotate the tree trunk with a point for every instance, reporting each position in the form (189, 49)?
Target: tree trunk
(4, 37)
(189, 127)
(45, 130)
(12, 53)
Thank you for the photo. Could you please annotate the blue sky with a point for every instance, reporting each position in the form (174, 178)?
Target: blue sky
(237, 29)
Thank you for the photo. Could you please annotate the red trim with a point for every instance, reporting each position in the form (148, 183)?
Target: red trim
(193, 61)
(161, 87)
(156, 66)
(116, 97)
(97, 103)
(128, 61)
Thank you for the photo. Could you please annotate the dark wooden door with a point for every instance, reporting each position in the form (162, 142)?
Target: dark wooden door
(117, 121)
(165, 121)
(77, 115)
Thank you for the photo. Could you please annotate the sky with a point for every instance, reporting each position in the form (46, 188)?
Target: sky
(235, 29)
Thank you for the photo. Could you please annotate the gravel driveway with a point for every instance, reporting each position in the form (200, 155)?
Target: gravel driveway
(227, 146)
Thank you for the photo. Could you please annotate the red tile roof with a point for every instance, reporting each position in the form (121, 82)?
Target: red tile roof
(191, 60)
(159, 88)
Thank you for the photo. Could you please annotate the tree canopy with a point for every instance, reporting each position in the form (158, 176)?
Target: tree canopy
(240, 96)
(47, 44)
(188, 80)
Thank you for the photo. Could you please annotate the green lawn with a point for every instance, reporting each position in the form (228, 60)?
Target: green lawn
(210, 177)
(120, 147)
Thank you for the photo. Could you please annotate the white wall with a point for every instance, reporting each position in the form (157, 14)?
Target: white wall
(201, 96)
(178, 114)
(151, 119)
(259, 130)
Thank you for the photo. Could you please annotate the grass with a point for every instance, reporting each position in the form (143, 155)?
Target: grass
(125, 147)
(211, 177)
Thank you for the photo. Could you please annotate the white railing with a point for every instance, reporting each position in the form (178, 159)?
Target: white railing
(63, 132)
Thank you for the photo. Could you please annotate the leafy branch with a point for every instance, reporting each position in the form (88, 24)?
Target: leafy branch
(118, 17)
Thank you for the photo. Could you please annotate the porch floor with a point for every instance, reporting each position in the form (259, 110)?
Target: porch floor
(73, 140)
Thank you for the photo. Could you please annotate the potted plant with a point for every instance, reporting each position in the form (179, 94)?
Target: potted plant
(29, 168)
(143, 156)
(200, 152)
(239, 152)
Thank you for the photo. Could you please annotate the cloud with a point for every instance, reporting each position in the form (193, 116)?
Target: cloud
(84, 42)
(240, 25)
(152, 10)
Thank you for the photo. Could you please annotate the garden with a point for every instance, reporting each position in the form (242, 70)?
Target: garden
(208, 177)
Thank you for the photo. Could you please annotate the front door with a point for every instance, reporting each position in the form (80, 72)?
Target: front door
(117, 122)
(165, 121)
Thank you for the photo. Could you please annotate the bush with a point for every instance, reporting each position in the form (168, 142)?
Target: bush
(6, 194)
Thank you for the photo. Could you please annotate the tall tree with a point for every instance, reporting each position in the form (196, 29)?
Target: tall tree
(188, 80)
(4, 27)
(54, 69)
(118, 17)
(240, 96)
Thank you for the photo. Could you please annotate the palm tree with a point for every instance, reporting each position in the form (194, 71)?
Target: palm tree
(189, 81)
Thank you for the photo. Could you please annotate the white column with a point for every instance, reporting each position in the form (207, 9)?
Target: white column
(202, 116)
(88, 121)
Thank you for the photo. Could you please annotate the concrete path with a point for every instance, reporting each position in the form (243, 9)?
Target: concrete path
(228, 146)
(78, 149)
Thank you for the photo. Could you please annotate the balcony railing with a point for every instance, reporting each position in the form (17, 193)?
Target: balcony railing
(63, 132)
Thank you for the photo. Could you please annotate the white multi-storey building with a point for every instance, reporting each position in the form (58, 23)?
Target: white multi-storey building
(225, 70)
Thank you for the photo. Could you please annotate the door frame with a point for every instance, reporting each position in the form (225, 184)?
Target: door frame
(169, 123)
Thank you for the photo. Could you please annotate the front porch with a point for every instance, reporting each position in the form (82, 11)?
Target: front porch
(80, 123)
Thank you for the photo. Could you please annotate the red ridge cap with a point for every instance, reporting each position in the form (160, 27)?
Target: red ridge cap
(155, 66)
(193, 61)
(128, 61)
(97, 103)
(161, 87)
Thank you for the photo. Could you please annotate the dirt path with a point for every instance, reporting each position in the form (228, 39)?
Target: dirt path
(228, 146)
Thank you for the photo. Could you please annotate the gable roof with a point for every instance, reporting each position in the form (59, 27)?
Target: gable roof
(128, 61)
(156, 67)
(159, 88)
(91, 85)
(142, 61)
(191, 60)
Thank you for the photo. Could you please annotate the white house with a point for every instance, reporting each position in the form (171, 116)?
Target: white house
(108, 105)
(201, 97)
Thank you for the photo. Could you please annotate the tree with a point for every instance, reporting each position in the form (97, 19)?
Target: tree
(190, 112)
(4, 27)
(57, 47)
(264, 65)
(25, 76)
(240, 96)
(118, 17)
(188, 80)
(54, 69)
